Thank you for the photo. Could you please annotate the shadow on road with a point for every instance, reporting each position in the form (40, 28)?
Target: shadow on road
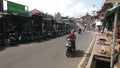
(79, 53)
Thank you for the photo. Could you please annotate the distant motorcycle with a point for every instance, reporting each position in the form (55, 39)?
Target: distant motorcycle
(79, 31)
(70, 49)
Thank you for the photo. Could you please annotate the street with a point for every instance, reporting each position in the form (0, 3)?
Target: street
(45, 54)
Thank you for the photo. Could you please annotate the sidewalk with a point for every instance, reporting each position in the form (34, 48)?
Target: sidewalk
(117, 65)
(96, 50)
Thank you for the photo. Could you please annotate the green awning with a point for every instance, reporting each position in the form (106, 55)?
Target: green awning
(112, 11)
(65, 19)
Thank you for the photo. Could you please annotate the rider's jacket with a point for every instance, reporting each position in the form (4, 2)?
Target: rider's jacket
(72, 36)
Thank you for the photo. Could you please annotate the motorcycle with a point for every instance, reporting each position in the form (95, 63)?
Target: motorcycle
(25, 37)
(79, 32)
(12, 39)
(70, 51)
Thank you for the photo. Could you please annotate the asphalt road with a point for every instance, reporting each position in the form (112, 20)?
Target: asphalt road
(46, 54)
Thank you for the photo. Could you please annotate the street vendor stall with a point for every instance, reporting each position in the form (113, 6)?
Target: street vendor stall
(47, 27)
(59, 29)
(16, 27)
(110, 52)
(36, 27)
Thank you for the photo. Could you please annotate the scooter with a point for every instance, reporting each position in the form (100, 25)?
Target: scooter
(70, 51)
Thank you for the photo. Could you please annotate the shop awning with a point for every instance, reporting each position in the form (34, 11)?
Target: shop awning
(47, 19)
(112, 11)
(66, 22)
(65, 19)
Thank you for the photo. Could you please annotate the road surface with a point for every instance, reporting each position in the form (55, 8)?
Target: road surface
(46, 54)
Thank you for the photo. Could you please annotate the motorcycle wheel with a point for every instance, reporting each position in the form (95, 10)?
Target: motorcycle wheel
(69, 52)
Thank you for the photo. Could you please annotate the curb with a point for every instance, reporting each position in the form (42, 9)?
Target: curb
(91, 57)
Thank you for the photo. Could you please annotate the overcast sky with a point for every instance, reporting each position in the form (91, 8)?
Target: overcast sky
(72, 8)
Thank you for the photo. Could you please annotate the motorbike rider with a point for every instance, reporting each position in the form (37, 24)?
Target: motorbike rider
(85, 27)
(79, 31)
(72, 36)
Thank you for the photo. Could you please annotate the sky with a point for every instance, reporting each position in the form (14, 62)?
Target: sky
(71, 8)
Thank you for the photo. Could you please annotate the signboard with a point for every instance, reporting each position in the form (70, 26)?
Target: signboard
(14, 7)
(111, 1)
(58, 17)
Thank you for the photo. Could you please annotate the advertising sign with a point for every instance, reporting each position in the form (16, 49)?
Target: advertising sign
(58, 17)
(14, 7)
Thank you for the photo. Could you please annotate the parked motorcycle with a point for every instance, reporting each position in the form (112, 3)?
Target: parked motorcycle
(12, 39)
(25, 37)
(70, 51)
(2, 44)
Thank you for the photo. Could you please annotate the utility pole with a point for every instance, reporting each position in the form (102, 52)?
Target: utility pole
(114, 39)
(1, 5)
(2, 22)
(93, 10)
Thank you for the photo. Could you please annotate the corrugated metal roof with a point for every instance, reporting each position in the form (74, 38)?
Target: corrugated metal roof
(111, 1)
(112, 10)
(36, 11)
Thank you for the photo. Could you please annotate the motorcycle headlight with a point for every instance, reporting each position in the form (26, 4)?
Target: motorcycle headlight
(68, 44)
